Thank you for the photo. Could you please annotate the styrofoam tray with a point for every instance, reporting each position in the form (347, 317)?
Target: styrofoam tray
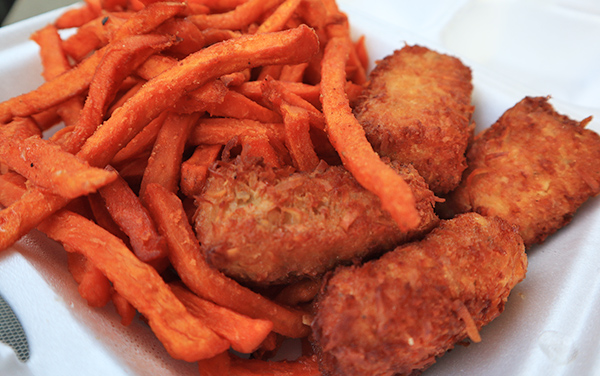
(515, 48)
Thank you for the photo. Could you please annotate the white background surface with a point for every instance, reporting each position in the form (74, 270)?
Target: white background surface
(515, 48)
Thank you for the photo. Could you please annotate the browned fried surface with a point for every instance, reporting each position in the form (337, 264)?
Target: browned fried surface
(417, 109)
(533, 167)
(396, 314)
(270, 225)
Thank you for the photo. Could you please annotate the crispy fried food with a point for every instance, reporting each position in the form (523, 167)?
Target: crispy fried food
(397, 314)
(273, 225)
(533, 167)
(417, 109)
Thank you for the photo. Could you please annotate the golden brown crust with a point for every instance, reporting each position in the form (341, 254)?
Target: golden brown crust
(533, 167)
(273, 225)
(397, 314)
(417, 109)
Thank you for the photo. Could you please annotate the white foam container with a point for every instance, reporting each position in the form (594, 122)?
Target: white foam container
(515, 49)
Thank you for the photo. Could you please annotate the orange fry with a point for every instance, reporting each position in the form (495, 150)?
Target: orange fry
(192, 72)
(124, 308)
(277, 20)
(47, 165)
(184, 336)
(69, 84)
(297, 137)
(348, 138)
(77, 17)
(226, 364)
(149, 18)
(244, 334)
(237, 19)
(134, 220)
(185, 256)
(94, 287)
(142, 142)
(164, 163)
(195, 169)
(117, 63)
(219, 131)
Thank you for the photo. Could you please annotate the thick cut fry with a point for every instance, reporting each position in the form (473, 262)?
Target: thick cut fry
(244, 334)
(195, 169)
(348, 138)
(118, 63)
(134, 220)
(184, 336)
(164, 163)
(237, 19)
(185, 256)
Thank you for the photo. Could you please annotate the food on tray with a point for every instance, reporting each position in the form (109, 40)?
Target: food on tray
(417, 109)
(266, 225)
(242, 113)
(395, 315)
(533, 167)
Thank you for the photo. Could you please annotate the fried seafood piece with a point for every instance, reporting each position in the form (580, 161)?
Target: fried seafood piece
(417, 109)
(267, 226)
(533, 167)
(397, 314)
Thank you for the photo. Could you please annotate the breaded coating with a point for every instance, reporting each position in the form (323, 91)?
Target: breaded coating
(417, 109)
(397, 314)
(267, 226)
(533, 167)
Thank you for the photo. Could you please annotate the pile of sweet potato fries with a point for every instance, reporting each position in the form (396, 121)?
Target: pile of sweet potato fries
(140, 98)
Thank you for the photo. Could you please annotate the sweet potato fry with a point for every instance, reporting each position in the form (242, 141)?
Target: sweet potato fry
(195, 169)
(260, 147)
(237, 19)
(297, 137)
(164, 163)
(117, 63)
(124, 308)
(348, 138)
(228, 365)
(277, 20)
(77, 17)
(48, 166)
(208, 283)
(310, 93)
(134, 220)
(52, 93)
(149, 18)
(94, 287)
(219, 131)
(184, 336)
(244, 334)
(142, 142)
(164, 90)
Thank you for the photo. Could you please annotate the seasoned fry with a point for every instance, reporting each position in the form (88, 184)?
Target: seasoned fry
(237, 19)
(195, 169)
(348, 138)
(244, 334)
(117, 63)
(184, 336)
(134, 220)
(164, 163)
